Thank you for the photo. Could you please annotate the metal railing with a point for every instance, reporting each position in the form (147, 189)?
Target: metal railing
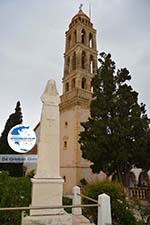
(47, 207)
(88, 198)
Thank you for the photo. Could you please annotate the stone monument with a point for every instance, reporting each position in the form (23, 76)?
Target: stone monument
(47, 185)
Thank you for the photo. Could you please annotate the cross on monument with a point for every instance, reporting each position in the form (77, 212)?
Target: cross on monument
(80, 7)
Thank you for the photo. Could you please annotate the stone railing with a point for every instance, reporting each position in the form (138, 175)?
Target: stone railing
(82, 93)
(139, 193)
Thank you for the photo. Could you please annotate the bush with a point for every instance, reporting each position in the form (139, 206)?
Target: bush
(67, 201)
(14, 192)
(142, 210)
(121, 214)
(83, 181)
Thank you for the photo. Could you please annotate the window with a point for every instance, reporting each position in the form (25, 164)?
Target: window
(65, 144)
(68, 64)
(69, 41)
(66, 123)
(83, 85)
(91, 64)
(90, 40)
(73, 83)
(83, 36)
(83, 59)
(66, 87)
(74, 61)
(64, 177)
(75, 37)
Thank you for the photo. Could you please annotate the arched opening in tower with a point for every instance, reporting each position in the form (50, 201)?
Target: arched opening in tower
(69, 41)
(75, 37)
(73, 83)
(90, 40)
(83, 60)
(74, 61)
(68, 64)
(66, 87)
(83, 36)
(92, 65)
(83, 85)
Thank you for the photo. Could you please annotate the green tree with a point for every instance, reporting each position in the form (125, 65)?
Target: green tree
(116, 136)
(14, 169)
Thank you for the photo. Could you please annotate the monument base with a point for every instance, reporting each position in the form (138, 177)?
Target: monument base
(46, 192)
(80, 220)
(65, 219)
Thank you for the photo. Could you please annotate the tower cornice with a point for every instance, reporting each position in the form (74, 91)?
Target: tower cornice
(81, 47)
(80, 24)
(75, 97)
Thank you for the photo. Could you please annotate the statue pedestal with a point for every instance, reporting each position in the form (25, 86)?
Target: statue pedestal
(46, 192)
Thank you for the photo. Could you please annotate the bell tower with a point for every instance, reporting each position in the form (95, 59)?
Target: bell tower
(80, 58)
(80, 64)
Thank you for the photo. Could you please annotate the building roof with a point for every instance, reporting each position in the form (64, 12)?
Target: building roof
(80, 17)
(80, 14)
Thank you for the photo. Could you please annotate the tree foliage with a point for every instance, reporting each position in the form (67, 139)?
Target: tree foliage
(14, 192)
(14, 169)
(116, 137)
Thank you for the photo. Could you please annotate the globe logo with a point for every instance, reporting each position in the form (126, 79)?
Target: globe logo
(21, 138)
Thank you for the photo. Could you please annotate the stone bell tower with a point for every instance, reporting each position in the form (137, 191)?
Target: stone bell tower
(80, 64)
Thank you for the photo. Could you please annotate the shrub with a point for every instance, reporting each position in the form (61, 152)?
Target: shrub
(67, 201)
(14, 192)
(121, 214)
(83, 181)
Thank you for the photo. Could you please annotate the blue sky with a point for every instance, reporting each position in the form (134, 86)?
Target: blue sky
(32, 42)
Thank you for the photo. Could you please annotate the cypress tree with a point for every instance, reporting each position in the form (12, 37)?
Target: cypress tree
(116, 137)
(14, 169)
